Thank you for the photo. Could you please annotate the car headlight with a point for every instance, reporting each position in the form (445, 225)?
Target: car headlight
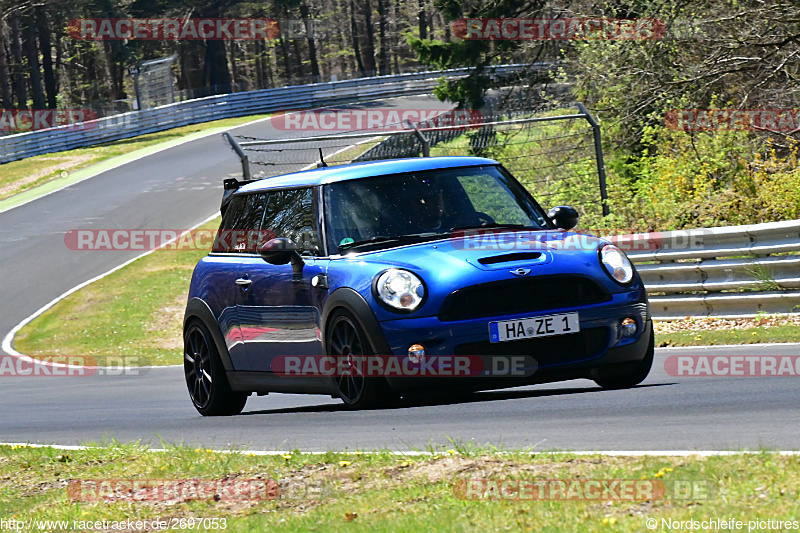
(400, 289)
(616, 263)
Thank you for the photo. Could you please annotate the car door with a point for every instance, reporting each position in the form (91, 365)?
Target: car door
(237, 236)
(279, 310)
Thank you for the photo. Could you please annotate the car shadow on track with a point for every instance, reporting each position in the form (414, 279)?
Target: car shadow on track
(429, 399)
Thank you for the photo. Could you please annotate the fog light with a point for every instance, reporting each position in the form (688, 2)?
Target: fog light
(627, 327)
(416, 353)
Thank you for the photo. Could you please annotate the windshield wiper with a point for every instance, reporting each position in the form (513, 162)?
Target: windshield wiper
(492, 225)
(384, 239)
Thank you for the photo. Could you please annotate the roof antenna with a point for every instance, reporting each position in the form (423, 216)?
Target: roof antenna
(322, 162)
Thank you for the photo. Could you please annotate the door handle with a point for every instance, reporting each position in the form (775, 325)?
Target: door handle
(242, 282)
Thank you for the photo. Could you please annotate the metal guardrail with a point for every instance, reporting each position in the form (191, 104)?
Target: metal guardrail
(724, 272)
(19, 146)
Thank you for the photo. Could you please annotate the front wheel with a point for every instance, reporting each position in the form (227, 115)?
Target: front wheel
(208, 384)
(346, 341)
(632, 376)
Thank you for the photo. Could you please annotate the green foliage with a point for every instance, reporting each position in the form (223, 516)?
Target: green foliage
(700, 179)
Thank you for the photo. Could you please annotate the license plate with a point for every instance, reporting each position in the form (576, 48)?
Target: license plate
(529, 328)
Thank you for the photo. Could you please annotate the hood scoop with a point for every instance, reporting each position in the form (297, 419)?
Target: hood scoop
(510, 258)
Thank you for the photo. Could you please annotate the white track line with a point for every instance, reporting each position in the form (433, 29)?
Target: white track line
(8, 341)
(135, 159)
(713, 346)
(620, 453)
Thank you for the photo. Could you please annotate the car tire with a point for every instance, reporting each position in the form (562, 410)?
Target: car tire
(345, 337)
(206, 379)
(631, 377)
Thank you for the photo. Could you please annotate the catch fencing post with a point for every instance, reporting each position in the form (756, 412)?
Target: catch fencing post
(241, 154)
(598, 152)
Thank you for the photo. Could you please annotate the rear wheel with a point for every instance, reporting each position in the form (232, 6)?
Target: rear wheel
(208, 384)
(347, 341)
(632, 375)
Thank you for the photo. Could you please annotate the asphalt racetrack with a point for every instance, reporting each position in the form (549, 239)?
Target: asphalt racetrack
(178, 188)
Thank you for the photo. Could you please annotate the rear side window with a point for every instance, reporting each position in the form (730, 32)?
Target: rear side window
(240, 230)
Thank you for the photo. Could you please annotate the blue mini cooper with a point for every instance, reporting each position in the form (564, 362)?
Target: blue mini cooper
(405, 261)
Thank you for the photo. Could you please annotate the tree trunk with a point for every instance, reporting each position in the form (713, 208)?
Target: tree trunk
(394, 48)
(298, 58)
(59, 32)
(286, 60)
(383, 53)
(369, 47)
(192, 76)
(17, 74)
(218, 75)
(273, 72)
(259, 64)
(342, 23)
(5, 81)
(34, 69)
(423, 20)
(354, 37)
(234, 74)
(46, 47)
(312, 46)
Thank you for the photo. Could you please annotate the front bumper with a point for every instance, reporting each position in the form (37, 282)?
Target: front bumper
(557, 358)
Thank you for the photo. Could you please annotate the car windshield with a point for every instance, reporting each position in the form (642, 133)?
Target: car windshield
(404, 208)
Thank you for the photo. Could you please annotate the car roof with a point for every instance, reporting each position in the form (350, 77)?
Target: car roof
(319, 176)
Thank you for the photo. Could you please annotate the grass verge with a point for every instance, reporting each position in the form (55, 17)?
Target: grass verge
(25, 174)
(716, 331)
(135, 312)
(385, 492)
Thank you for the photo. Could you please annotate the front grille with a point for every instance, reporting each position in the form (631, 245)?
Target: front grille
(510, 297)
(554, 350)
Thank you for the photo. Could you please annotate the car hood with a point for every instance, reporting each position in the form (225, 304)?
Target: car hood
(495, 251)
(450, 264)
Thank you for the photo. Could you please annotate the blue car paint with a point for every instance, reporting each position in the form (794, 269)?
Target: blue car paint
(444, 268)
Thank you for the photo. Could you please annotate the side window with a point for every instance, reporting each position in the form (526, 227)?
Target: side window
(292, 214)
(239, 231)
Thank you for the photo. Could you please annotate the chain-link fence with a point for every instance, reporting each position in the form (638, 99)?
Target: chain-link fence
(554, 152)
(154, 82)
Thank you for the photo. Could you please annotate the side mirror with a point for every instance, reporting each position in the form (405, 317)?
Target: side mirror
(280, 251)
(564, 217)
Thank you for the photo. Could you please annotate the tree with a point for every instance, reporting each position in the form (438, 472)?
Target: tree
(17, 69)
(470, 91)
(34, 69)
(46, 48)
(5, 81)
